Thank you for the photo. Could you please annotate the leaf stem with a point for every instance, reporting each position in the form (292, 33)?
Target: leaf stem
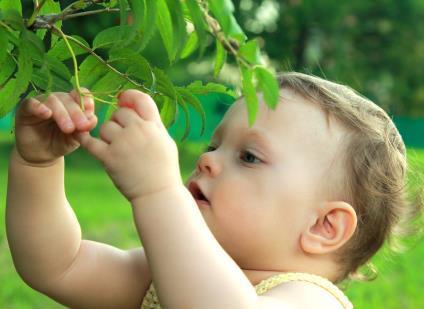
(104, 62)
(216, 31)
(7, 27)
(93, 12)
(75, 63)
(37, 8)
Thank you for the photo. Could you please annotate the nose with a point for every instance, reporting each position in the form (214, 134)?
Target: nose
(208, 163)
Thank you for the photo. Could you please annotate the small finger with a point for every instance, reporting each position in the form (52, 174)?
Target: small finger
(60, 114)
(80, 118)
(94, 146)
(92, 122)
(125, 116)
(34, 107)
(109, 130)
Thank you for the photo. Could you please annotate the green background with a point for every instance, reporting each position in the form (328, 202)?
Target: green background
(376, 47)
(107, 217)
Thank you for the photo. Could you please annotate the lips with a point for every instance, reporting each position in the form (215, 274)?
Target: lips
(197, 193)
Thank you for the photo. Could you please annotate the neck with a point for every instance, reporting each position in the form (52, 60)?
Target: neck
(256, 276)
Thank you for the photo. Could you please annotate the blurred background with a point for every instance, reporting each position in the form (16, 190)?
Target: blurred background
(376, 47)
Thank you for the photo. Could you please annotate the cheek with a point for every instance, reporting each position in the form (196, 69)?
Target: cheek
(243, 201)
(295, 196)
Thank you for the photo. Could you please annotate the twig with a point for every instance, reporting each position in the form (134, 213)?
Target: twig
(216, 31)
(37, 8)
(104, 62)
(106, 10)
(74, 60)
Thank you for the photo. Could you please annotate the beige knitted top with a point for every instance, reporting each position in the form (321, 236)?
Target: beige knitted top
(151, 300)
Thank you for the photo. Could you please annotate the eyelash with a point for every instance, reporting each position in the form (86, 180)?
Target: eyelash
(212, 148)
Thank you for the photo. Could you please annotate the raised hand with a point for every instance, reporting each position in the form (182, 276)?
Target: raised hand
(44, 128)
(135, 147)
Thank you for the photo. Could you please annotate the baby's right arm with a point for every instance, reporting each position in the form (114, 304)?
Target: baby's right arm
(43, 232)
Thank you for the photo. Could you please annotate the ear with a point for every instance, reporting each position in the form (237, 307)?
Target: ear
(333, 226)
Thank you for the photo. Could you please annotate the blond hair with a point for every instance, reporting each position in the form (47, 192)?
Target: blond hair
(374, 160)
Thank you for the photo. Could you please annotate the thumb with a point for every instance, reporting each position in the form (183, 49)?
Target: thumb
(141, 103)
(94, 146)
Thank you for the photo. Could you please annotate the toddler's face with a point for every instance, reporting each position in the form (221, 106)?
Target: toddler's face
(262, 184)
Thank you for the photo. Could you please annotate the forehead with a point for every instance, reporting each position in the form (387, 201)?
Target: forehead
(296, 125)
(293, 111)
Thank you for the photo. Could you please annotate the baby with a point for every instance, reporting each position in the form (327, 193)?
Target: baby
(273, 216)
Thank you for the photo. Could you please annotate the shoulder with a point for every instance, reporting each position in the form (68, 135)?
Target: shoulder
(298, 294)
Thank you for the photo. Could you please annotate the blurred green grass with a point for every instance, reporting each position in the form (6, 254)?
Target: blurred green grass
(105, 216)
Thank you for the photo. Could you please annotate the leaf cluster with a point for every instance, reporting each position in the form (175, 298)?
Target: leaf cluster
(35, 53)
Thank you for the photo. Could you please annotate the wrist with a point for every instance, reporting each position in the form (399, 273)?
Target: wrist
(18, 158)
(146, 198)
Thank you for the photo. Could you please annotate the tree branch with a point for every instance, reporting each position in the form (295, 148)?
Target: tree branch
(104, 62)
(87, 13)
(46, 21)
(215, 29)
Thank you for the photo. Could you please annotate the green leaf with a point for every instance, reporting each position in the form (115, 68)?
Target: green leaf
(13, 18)
(42, 77)
(223, 12)
(199, 23)
(7, 100)
(123, 15)
(191, 45)
(110, 4)
(268, 85)
(164, 24)
(113, 36)
(178, 27)
(61, 52)
(164, 84)
(249, 93)
(11, 5)
(106, 89)
(168, 112)
(189, 98)
(35, 44)
(183, 105)
(134, 65)
(8, 66)
(4, 40)
(59, 68)
(250, 52)
(91, 70)
(149, 24)
(220, 59)
(138, 8)
(108, 83)
(198, 88)
(23, 76)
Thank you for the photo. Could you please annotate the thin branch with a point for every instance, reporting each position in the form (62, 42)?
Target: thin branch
(7, 27)
(216, 31)
(74, 60)
(37, 8)
(106, 10)
(46, 21)
(104, 62)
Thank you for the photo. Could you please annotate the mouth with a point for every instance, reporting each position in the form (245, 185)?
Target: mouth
(197, 194)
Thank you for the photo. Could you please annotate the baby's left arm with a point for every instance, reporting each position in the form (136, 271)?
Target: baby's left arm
(189, 267)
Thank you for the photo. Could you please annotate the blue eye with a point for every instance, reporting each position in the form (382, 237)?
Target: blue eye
(249, 157)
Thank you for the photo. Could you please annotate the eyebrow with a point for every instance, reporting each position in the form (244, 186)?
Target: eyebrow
(257, 134)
